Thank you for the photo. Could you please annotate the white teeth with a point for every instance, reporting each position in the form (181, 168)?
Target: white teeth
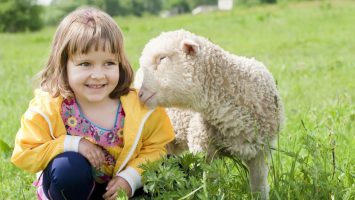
(95, 86)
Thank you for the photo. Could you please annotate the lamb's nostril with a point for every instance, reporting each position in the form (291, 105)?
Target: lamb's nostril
(140, 94)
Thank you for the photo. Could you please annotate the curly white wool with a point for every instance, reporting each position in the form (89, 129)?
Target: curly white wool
(223, 102)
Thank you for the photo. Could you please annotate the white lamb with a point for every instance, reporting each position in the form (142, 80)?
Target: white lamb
(223, 103)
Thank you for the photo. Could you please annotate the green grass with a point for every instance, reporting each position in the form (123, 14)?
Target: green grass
(309, 47)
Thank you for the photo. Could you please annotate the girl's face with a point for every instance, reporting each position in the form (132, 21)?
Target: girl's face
(93, 76)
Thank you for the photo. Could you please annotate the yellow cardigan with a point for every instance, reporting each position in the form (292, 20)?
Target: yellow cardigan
(42, 134)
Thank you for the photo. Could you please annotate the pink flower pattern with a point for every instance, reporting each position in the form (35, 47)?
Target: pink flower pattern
(83, 127)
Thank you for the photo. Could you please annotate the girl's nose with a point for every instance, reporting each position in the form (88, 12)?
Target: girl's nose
(97, 73)
(97, 76)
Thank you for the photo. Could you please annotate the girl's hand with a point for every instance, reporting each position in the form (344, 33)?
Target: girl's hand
(92, 152)
(114, 185)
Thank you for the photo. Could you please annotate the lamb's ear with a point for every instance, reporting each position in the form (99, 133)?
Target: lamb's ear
(190, 47)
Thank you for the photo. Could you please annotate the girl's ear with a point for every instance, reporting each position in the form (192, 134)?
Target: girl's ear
(189, 46)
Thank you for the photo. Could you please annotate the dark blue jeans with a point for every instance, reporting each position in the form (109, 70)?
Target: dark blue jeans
(68, 176)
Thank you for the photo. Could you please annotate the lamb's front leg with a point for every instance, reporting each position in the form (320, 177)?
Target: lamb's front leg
(200, 137)
(180, 120)
(258, 171)
(197, 137)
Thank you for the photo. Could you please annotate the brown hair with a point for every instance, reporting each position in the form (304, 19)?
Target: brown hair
(77, 33)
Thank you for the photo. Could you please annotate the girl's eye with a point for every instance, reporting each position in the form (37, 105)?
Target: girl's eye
(110, 63)
(84, 64)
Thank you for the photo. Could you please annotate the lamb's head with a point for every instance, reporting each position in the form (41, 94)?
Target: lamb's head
(168, 65)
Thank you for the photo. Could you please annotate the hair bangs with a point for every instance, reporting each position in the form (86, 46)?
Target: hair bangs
(93, 34)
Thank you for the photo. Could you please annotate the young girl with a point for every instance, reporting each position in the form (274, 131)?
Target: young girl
(85, 127)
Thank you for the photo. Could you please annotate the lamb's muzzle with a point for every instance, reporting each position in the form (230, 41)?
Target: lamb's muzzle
(145, 96)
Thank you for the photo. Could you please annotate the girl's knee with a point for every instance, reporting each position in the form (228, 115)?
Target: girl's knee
(69, 169)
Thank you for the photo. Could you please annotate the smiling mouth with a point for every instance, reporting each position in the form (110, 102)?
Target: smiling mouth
(95, 86)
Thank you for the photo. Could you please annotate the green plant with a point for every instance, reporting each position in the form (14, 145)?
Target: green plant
(189, 176)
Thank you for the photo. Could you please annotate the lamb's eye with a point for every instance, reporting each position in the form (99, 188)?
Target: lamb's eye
(162, 58)
(159, 59)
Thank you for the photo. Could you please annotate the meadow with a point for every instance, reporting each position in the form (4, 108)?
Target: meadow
(310, 49)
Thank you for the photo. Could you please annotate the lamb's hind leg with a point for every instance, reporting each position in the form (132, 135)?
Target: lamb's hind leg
(258, 171)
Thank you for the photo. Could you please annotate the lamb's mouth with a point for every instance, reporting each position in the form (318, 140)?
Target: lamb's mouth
(151, 96)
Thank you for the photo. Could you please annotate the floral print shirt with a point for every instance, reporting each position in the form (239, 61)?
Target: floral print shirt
(111, 141)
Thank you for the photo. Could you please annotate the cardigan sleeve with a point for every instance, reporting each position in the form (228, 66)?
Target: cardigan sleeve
(34, 145)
